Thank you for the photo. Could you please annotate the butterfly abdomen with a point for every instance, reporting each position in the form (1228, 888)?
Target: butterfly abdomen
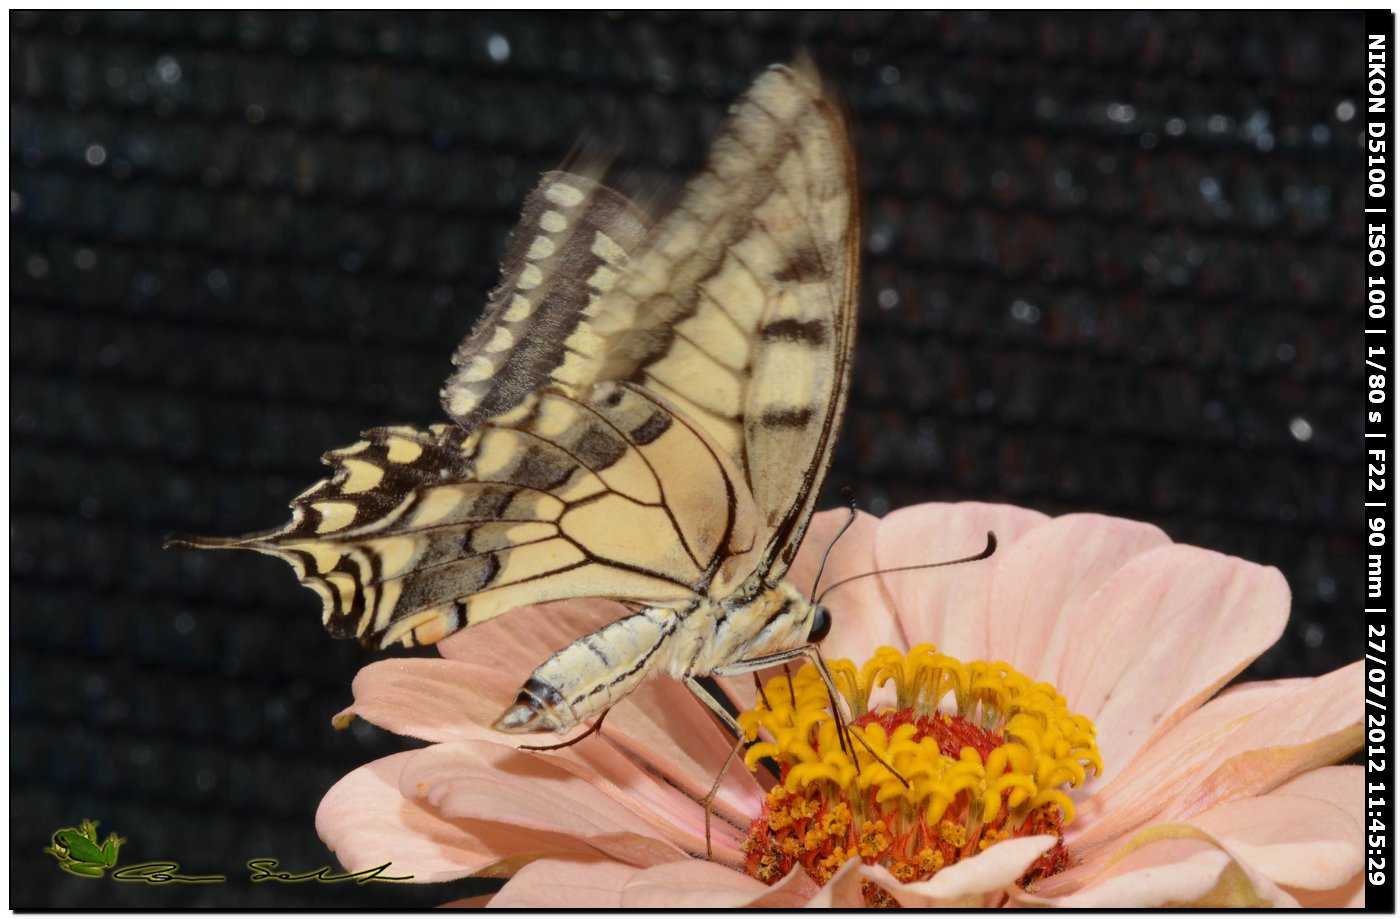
(588, 676)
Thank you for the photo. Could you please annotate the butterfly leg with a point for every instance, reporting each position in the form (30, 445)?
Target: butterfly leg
(813, 654)
(708, 698)
(714, 705)
(594, 728)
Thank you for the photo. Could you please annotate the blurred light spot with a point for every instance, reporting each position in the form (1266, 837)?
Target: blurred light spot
(1022, 311)
(95, 684)
(16, 202)
(89, 508)
(1148, 140)
(141, 754)
(1213, 411)
(255, 114)
(1121, 113)
(149, 285)
(889, 75)
(1300, 429)
(888, 298)
(442, 294)
(1210, 189)
(1264, 142)
(498, 48)
(84, 259)
(1326, 588)
(116, 77)
(1285, 352)
(37, 266)
(1321, 134)
(184, 623)
(861, 56)
(880, 238)
(96, 155)
(1217, 124)
(109, 356)
(1346, 110)
(205, 779)
(1312, 635)
(217, 279)
(1176, 127)
(168, 69)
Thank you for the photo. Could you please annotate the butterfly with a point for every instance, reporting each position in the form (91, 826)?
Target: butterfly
(646, 413)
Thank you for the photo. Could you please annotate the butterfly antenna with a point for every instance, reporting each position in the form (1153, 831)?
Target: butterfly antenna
(991, 547)
(850, 497)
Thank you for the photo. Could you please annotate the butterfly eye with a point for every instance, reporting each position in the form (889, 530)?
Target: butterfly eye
(821, 625)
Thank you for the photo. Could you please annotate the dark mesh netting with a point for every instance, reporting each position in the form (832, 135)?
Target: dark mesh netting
(1113, 264)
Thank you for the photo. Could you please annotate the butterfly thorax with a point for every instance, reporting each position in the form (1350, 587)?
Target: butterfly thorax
(708, 637)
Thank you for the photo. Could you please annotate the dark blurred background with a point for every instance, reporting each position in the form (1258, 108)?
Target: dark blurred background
(1113, 263)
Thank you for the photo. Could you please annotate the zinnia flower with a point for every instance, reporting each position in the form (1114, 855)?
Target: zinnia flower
(1066, 744)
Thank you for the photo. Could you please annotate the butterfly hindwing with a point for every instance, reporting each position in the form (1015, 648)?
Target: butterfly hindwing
(599, 493)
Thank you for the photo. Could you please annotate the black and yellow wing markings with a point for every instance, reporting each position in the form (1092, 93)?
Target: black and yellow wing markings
(599, 493)
(740, 307)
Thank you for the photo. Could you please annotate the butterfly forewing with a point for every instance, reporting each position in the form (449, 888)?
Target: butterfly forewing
(739, 307)
(567, 251)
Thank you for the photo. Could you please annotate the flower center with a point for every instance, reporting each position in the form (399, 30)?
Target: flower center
(967, 756)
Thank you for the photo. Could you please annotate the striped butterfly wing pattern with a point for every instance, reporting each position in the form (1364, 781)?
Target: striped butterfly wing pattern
(646, 413)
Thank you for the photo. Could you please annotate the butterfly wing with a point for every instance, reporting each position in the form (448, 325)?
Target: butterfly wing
(740, 306)
(597, 493)
(565, 254)
(643, 416)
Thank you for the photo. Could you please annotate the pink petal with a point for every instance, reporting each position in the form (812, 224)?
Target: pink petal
(566, 883)
(660, 730)
(432, 699)
(947, 606)
(1171, 871)
(705, 885)
(367, 822)
(1351, 895)
(844, 890)
(972, 883)
(1339, 785)
(665, 732)
(1290, 839)
(1165, 632)
(1318, 725)
(1245, 742)
(1043, 579)
(488, 782)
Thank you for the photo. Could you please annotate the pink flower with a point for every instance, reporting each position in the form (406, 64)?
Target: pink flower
(1205, 797)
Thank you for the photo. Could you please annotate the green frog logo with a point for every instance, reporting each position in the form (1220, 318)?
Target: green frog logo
(78, 852)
